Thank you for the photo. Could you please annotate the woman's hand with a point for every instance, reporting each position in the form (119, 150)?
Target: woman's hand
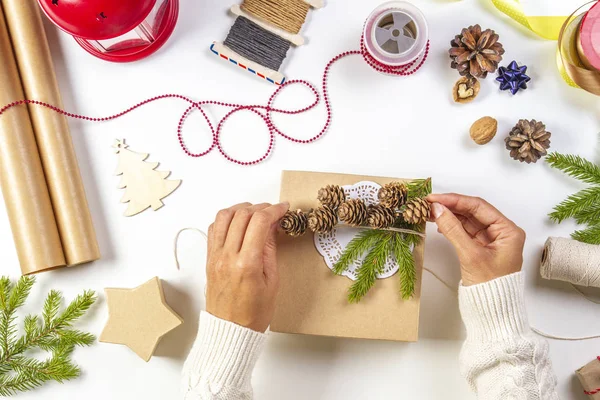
(488, 244)
(242, 268)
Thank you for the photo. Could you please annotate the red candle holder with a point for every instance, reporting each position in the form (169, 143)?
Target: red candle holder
(115, 30)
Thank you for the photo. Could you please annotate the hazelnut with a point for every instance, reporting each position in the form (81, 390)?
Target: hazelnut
(483, 130)
(465, 90)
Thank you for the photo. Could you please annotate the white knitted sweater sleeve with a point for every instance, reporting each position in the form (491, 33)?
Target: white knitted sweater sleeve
(502, 358)
(220, 364)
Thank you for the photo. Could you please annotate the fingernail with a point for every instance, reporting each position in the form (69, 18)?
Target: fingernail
(437, 209)
(285, 203)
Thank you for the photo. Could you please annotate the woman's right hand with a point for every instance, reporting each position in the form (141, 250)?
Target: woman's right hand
(488, 244)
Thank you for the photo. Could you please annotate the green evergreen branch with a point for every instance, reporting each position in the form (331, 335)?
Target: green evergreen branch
(419, 188)
(589, 215)
(575, 166)
(406, 263)
(590, 235)
(584, 205)
(576, 203)
(358, 246)
(50, 332)
(372, 265)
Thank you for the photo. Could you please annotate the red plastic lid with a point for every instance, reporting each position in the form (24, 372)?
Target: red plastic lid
(97, 19)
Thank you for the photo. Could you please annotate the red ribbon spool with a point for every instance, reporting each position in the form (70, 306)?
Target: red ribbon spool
(115, 30)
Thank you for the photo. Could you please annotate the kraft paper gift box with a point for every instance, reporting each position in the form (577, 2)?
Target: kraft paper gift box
(589, 376)
(313, 300)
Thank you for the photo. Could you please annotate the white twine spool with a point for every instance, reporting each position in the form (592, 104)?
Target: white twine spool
(571, 261)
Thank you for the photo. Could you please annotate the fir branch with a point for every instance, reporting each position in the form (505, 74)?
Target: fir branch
(358, 246)
(372, 265)
(51, 332)
(590, 215)
(411, 239)
(575, 166)
(419, 188)
(576, 203)
(51, 306)
(11, 299)
(406, 264)
(590, 235)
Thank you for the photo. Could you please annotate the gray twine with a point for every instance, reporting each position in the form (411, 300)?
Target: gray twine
(257, 44)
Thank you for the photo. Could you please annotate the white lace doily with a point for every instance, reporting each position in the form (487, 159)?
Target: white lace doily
(330, 245)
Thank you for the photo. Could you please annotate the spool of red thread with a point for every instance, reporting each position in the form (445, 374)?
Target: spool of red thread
(589, 38)
(115, 30)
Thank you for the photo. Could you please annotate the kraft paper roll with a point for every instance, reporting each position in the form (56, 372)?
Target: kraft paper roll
(21, 175)
(571, 261)
(52, 131)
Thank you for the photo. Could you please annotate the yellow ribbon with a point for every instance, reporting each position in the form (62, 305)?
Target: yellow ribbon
(564, 29)
(547, 27)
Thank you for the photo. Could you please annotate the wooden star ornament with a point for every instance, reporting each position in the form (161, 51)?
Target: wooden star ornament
(139, 317)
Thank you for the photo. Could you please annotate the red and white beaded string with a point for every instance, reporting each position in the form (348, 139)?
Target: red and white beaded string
(263, 111)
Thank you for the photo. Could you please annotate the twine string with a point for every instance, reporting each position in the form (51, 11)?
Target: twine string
(257, 44)
(288, 15)
(176, 241)
(571, 261)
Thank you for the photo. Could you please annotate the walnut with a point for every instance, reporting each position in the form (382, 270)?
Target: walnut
(465, 90)
(483, 130)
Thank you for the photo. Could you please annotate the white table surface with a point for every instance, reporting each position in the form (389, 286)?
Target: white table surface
(407, 127)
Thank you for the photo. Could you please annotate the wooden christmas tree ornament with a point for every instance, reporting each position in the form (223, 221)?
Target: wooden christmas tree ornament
(144, 187)
(139, 318)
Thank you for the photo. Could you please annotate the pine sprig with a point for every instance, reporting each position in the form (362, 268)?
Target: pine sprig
(372, 265)
(419, 188)
(406, 263)
(379, 246)
(51, 332)
(589, 235)
(575, 166)
(358, 246)
(583, 206)
(576, 204)
(589, 215)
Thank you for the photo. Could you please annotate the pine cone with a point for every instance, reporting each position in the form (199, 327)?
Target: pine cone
(322, 219)
(294, 223)
(475, 53)
(528, 141)
(380, 217)
(417, 211)
(332, 196)
(353, 212)
(393, 195)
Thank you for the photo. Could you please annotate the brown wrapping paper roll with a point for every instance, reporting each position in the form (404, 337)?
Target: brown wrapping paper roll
(21, 175)
(51, 131)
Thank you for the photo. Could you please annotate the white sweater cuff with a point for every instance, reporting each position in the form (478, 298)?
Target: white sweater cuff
(224, 353)
(494, 311)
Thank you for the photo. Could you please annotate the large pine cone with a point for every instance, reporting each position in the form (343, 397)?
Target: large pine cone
(416, 211)
(380, 217)
(528, 141)
(475, 53)
(353, 212)
(294, 223)
(322, 219)
(393, 195)
(332, 196)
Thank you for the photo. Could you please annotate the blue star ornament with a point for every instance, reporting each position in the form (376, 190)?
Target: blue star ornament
(513, 77)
